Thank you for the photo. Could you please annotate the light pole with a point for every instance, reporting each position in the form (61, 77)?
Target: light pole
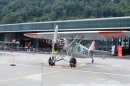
(42, 75)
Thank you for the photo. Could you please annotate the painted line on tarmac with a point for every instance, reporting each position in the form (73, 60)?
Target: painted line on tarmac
(102, 73)
(121, 65)
(31, 57)
(55, 67)
(81, 65)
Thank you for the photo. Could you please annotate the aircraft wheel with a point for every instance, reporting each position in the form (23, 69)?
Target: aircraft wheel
(51, 61)
(92, 61)
(72, 62)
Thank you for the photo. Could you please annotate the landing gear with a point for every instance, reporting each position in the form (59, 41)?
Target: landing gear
(72, 62)
(92, 61)
(51, 61)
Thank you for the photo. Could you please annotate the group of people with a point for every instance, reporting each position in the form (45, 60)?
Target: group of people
(29, 46)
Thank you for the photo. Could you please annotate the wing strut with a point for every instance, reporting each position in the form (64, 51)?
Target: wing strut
(54, 40)
(72, 41)
(81, 39)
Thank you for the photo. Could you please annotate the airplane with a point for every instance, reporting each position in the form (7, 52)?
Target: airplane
(68, 43)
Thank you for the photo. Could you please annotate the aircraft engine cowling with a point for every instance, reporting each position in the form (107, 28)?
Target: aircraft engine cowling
(59, 45)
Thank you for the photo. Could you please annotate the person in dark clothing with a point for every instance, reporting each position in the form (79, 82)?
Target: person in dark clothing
(34, 49)
(29, 47)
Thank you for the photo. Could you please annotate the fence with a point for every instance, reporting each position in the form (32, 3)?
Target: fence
(25, 49)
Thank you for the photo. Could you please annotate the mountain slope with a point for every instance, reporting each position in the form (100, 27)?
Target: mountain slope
(18, 11)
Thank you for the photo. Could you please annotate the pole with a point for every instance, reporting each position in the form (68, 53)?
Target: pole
(42, 75)
(12, 48)
(106, 45)
(13, 64)
(4, 46)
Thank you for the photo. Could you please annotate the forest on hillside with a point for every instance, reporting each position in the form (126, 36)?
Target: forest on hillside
(19, 11)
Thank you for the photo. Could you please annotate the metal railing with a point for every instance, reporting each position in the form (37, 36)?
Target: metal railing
(22, 49)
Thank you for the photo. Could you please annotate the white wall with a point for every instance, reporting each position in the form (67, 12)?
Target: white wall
(9, 37)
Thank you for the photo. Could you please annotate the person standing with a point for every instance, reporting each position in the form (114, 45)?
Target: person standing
(29, 47)
(34, 49)
(26, 44)
(113, 50)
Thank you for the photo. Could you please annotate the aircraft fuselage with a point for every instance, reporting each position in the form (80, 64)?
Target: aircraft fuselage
(78, 51)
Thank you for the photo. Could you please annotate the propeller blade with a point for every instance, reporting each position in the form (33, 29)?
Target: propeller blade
(54, 40)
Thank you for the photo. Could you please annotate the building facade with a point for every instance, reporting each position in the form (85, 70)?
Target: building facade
(16, 31)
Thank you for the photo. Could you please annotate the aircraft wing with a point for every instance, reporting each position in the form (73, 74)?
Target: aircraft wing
(100, 52)
(88, 35)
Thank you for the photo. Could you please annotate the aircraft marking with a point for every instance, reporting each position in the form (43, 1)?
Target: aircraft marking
(113, 34)
(85, 51)
(31, 34)
(79, 48)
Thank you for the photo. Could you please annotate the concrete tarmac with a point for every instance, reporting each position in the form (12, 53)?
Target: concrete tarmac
(29, 72)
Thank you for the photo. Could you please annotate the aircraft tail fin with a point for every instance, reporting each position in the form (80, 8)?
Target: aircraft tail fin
(92, 46)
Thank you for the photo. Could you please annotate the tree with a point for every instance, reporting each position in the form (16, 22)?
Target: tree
(17, 11)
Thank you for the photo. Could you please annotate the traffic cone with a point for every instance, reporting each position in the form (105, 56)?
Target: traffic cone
(13, 64)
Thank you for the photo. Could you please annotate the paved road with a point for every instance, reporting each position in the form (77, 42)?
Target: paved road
(28, 71)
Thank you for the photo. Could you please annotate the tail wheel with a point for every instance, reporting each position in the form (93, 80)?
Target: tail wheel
(51, 61)
(73, 62)
(92, 61)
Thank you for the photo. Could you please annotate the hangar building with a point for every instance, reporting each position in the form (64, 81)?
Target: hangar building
(16, 31)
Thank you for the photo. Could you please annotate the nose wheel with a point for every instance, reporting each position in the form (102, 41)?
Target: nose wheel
(51, 61)
(92, 61)
(73, 62)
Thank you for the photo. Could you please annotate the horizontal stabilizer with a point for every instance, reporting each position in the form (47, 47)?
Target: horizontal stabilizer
(100, 52)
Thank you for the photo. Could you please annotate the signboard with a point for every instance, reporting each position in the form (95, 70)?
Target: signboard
(119, 50)
(13, 40)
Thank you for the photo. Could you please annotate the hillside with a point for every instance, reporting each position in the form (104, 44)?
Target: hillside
(18, 11)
